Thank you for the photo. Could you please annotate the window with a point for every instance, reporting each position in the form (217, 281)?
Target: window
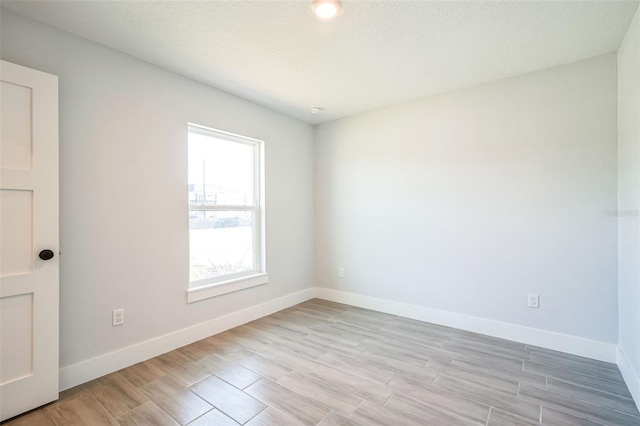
(226, 214)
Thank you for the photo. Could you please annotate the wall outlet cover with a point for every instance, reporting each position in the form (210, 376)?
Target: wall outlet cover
(117, 317)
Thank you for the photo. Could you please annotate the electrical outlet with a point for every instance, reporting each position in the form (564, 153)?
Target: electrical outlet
(117, 317)
(341, 272)
(533, 300)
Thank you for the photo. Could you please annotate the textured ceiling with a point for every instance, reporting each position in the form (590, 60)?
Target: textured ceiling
(375, 54)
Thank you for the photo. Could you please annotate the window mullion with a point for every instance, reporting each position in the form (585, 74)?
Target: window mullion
(221, 208)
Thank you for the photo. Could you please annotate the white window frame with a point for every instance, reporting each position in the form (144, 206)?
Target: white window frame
(217, 286)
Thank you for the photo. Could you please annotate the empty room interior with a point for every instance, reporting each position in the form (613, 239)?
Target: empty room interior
(320, 213)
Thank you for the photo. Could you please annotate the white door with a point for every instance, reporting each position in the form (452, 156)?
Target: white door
(28, 228)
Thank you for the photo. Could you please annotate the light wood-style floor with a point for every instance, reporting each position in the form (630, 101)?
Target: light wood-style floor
(323, 363)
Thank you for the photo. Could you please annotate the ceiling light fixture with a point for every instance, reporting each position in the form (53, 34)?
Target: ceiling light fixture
(326, 9)
(315, 109)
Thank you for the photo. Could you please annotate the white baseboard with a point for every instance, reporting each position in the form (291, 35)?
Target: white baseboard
(630, 376)
(93, 368)
(594, 349)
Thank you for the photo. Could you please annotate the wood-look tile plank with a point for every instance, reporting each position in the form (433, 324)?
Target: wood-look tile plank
(488, 361)
(198, 350)
(484, 395)
(498, 417)
(335, 419)
(417, 379)
(276, 328)
(303, 409)
(180, 368)
(294, 362)
(327, 305)
(352, 332)
(227, 338)
(286, 321)
(551, 417)
(450, 402)
(357, 368)
(116, 394)
(331, 346)
(302, 320)
(370, 313)
(72, 392)
(353, 385)
(483, 338)
(434, 329)
(214, 418)
(420, 333)
(142, 373)
(229, 371)
(593, 396)
(224, 343)
(576, 407)
(273, 417)
(215, 345)
(176, 400)
(335, 335)
(595, 369)
(371, 323)
(252, 330)
(424, 414)
(228, 399)
(464, 345)
(389, 350)
(499, 367)
(81, 411)
(370, 414)
(544, 354)
(326, 393)
(615, 388)
(146, 414)
(422, 339)
(489, 380)
(250, 339)
(38, 417)
(321, 312)
(300, 347)
(432, 353)
(258, 364)
(536, 350)
(171, 360)
(408, 351)
(386, 362)
(363, 332)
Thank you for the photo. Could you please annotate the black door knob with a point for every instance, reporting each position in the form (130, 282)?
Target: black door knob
(46, 255)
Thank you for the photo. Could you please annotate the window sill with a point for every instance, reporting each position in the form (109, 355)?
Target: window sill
(218, 289)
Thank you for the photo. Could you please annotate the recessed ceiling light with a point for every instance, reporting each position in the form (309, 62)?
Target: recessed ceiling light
(315, 109)
(326, 9)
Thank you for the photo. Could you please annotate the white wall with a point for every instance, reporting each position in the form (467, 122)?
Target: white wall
(629, 204)
(123, 190)
(467, 201)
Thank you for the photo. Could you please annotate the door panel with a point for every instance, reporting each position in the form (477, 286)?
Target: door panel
(16, 228)
(28, 224)
(18, 311)
(16, 150)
